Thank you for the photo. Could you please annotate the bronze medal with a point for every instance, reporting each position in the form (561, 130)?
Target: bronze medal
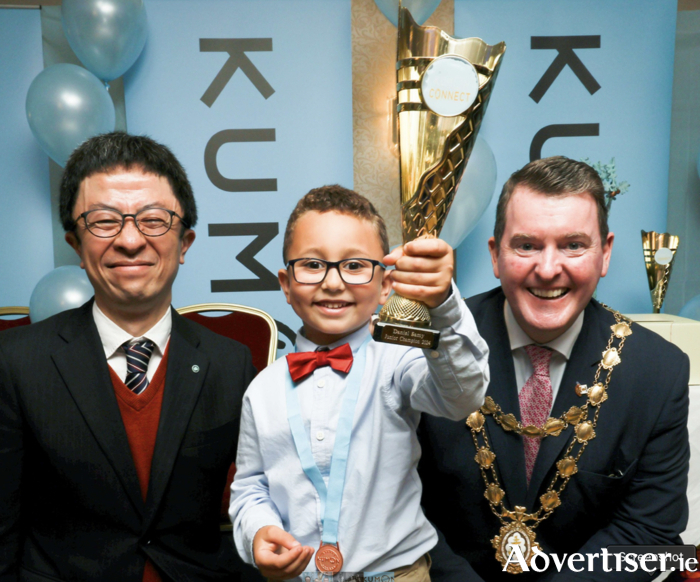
(329, 560)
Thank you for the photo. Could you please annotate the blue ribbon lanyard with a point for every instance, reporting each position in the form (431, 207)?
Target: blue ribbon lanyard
(332, 495)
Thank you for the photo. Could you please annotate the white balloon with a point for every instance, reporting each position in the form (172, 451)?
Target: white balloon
(66, 105)
(61, 289)
(473, 196)
(106, 35)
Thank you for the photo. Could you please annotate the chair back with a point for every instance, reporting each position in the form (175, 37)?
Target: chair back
(247, 325)
(16, 321)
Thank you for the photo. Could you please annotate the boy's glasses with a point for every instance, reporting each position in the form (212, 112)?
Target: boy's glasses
(351, 271)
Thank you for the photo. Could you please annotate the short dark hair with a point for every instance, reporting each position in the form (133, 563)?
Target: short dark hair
(110, 151)
(554, 176)
(335, 198)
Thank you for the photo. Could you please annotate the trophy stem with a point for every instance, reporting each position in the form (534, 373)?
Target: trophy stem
(405, 322)
(405, 311)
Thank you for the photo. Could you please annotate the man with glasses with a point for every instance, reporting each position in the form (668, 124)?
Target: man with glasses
(119, 420)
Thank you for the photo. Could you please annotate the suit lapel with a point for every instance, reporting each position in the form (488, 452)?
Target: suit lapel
(510, 456)
(581, 368)
(82, 364)
(182, 387)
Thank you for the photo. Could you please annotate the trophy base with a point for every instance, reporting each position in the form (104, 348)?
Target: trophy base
(405, 335)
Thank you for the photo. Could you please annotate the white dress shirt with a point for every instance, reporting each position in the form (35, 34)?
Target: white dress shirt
(382, 526)
(113, 337)
(561, 351)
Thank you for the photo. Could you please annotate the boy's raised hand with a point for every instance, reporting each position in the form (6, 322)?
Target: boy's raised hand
(278, 555)
(424, 269)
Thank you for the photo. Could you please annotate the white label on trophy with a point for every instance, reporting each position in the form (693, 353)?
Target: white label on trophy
(663, 256)
(450, 85)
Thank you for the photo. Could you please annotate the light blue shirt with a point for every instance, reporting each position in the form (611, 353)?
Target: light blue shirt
(382, 526)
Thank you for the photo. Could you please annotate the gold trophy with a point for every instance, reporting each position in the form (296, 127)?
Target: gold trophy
(443, 88)
(659, 252)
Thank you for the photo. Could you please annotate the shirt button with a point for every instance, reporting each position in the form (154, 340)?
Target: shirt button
(434, 354)
(321, 383)
(320, 436)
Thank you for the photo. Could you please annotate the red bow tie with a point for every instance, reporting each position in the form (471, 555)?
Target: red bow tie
(301, 364)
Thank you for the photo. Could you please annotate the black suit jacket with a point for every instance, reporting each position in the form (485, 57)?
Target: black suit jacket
(632, 478)
(70, 503)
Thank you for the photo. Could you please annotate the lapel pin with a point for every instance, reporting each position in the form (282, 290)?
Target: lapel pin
(195, 368)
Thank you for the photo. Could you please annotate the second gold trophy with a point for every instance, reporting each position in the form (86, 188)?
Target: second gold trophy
(443, 88)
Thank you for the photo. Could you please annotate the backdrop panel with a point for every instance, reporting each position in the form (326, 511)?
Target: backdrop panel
(585, 79)
(25, 198)
(255, 99)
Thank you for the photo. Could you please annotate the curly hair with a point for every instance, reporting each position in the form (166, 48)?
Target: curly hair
(335, 198)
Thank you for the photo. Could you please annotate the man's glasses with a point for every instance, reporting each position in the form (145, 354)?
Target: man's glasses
(351, 271)
(109, 223)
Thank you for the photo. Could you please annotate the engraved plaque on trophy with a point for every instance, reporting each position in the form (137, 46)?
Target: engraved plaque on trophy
(659, 252)
(443, 88)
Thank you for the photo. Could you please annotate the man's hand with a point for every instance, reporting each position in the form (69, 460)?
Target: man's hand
(278, 555)
(424, 269)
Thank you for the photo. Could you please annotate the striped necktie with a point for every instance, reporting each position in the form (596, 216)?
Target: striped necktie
(137, 356)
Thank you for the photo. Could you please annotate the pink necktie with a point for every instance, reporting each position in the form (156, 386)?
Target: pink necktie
(535, 401)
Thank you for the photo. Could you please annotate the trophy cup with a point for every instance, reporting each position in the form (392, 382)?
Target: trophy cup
(659, 252)
(443, 88)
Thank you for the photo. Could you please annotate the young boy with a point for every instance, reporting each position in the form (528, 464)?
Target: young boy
(294, 494)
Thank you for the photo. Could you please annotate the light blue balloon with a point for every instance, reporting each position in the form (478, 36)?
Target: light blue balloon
(419, 9)
(691, 310)
(63, 288)
(473, 195)
(65, 106)
(106, 35)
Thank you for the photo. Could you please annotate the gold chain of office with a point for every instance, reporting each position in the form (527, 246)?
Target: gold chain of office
(514, 533)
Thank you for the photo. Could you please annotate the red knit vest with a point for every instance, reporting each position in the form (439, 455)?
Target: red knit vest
(141, 414)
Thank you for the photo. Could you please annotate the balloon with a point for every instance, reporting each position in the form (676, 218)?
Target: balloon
(691, 310)
(106, 35)
(65, 106)
(473, 195)
(63, 288)
(419, 9)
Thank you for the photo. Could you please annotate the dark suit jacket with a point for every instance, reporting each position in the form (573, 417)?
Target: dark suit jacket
(632, 478)
(70, 503)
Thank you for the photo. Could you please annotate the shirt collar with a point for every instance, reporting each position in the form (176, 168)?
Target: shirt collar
(564, 344)
(113, 336)
(355, 339)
